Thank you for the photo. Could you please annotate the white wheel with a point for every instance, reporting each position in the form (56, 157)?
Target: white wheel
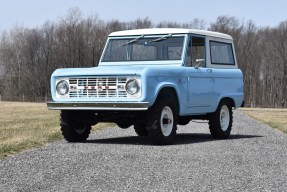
(220, 122)
(166, 121)
(224, 118)
(162, 119)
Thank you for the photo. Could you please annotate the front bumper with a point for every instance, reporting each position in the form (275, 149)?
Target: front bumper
(123, 106)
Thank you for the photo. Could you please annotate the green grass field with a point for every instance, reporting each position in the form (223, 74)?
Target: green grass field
(276, 118)
(27, 125)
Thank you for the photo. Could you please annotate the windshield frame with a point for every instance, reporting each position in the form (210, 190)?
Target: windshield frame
(152, 62)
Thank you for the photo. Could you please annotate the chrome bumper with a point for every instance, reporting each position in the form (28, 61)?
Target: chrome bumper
(142, 106)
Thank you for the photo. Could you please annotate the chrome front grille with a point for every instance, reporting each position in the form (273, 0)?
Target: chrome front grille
(110, 87)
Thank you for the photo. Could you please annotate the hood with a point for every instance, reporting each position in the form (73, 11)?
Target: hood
(101, 70)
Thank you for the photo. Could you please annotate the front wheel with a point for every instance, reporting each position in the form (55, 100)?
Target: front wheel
(140, 129)
(72, 130)
(220, 121)
(162, 120)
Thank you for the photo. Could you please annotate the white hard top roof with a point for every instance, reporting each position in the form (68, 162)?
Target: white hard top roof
(161, 31)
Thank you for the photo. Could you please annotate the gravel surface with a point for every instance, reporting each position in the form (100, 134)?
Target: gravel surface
(253, 159)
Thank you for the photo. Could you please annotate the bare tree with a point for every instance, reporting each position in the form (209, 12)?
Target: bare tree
(29, 56)
(280, 45)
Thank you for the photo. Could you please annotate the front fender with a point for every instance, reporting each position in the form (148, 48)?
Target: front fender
(156, 84)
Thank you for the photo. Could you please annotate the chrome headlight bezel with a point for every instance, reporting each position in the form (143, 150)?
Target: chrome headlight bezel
(133, 87)
(62, 88)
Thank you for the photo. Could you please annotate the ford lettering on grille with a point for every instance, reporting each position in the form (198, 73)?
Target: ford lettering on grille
(97, 87)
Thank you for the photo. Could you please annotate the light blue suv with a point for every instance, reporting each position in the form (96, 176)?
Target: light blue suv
(153, 80)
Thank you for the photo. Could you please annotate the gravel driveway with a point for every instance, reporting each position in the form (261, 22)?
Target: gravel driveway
(253, 159)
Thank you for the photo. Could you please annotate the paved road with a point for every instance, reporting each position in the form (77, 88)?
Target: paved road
(253, 159)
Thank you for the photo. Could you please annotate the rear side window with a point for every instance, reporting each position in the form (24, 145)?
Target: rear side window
(221, 53)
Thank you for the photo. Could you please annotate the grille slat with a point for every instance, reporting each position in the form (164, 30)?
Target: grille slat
(95, 87)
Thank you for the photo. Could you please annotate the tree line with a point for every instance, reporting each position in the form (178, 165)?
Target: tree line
(29, 56)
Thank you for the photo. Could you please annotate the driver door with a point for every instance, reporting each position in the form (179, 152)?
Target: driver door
(199, 77)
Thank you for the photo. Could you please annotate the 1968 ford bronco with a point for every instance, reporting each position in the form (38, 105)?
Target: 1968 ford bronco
(153, 80)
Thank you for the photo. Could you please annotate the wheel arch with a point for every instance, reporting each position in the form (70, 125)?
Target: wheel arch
(169, 90)
(229, 99)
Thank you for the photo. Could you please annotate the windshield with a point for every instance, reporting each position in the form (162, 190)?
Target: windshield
(141, 48)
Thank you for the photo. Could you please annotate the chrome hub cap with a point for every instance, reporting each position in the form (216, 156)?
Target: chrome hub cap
(224, 118)
(166, 121)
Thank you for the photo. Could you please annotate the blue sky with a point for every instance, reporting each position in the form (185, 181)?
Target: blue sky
(33, 13)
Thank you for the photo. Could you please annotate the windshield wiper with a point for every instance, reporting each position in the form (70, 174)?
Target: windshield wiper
(133, 40)
(161, 38)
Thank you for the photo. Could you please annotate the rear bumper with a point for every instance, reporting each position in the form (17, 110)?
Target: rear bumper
(139, 106)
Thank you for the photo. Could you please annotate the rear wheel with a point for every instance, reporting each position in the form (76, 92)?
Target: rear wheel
(162, 120)
(220, 122)
(72, 130)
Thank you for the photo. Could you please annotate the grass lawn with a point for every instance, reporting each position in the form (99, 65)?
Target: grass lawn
(27, 125)
(276, 118)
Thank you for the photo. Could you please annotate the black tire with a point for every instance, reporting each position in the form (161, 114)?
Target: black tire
(123, 125)
(162, 120)
(220, 122)
(140, 129)
(71, 129)
(183, 120)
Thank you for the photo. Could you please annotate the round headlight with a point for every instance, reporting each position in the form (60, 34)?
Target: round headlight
(62, 87)
(132, 86)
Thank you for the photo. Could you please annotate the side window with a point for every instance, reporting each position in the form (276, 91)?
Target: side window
(221, 53)
(196, 52)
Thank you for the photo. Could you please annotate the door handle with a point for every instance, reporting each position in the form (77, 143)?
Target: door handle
(209, 70)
